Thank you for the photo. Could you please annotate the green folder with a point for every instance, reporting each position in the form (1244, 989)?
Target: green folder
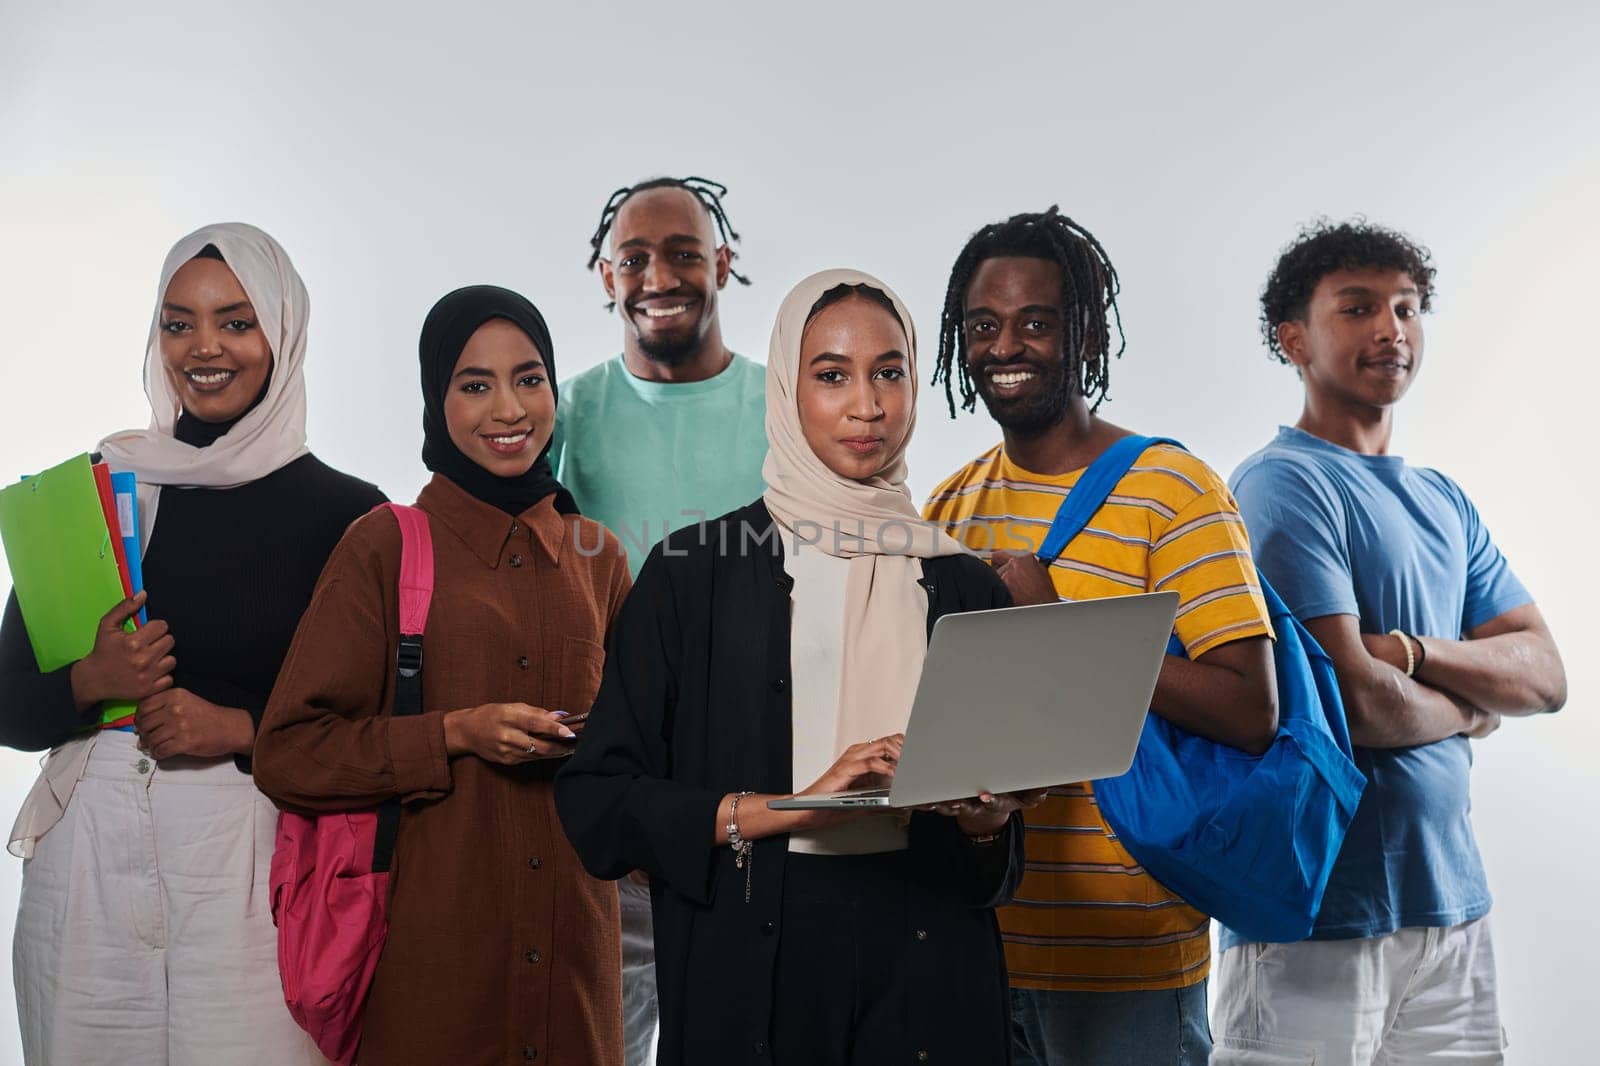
(63, 568)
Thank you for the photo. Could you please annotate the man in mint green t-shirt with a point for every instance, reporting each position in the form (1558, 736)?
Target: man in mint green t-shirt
(671, 432)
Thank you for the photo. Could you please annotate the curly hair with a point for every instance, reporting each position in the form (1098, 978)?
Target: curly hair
(1089, 288)
(1324, 247)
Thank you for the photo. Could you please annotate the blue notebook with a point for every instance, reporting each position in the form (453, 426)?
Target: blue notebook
(125, 486)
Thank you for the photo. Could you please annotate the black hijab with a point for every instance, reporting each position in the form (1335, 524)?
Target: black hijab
(451, 323)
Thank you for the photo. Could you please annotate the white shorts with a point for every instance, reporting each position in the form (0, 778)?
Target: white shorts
(1420, 995)
(144, 932)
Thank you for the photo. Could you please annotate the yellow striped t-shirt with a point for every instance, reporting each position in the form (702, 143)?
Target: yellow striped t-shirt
(1087, 917)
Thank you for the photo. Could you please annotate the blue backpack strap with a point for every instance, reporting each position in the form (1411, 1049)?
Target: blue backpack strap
(1090, 493)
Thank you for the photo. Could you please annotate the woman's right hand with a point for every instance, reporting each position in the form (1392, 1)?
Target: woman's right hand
(122, 665)
(866, 765)
(507, 733)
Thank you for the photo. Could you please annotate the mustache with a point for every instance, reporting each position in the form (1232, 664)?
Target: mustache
(675, 294)
(1391, 353)
(981, 367)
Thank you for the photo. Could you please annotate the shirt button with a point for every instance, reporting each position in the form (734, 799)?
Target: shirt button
(531, 956)
(767, 928)
(534, 863)
(761, 1047)
(529, 1052)
(144, 766)
(779, 685)
(922, 934)
(523, 662)
(516, 560)
(922, 1056)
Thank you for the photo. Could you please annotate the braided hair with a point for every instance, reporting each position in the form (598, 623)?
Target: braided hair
(1089, 288)
(708, 192)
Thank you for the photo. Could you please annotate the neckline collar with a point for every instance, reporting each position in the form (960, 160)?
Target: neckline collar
(485, 529)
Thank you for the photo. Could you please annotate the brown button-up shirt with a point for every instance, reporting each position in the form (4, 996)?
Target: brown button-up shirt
(501, 948)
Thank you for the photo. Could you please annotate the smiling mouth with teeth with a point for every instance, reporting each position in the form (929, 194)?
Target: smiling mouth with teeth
(1009, 378)
(209, 377)
(664, 312)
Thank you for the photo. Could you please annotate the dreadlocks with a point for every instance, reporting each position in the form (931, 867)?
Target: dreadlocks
(708, 192)
(1089, 290)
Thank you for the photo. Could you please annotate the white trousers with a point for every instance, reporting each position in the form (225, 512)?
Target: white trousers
(144, 933)
(1422, 995)
(639, 1010)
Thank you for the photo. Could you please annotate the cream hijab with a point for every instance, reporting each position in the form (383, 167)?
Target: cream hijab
(872, 523)
(267, 438)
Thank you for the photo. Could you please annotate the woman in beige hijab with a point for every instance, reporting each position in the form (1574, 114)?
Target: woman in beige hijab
(144, 933)
(776, 651)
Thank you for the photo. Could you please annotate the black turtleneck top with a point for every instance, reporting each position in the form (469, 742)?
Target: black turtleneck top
(230, 570)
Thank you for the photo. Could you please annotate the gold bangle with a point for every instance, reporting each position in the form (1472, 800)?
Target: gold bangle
(1411, 655)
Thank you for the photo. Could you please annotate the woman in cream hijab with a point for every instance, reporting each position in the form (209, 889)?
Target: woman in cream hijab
(144, 933)
(775, 651)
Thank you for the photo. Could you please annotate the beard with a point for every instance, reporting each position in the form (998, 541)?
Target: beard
(670, 350)
(674, 348)
(1032, 414)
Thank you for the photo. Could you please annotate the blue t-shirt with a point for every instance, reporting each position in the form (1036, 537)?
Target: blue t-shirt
(1399, 547)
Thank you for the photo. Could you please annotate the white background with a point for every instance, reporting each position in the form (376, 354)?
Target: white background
(399, 153)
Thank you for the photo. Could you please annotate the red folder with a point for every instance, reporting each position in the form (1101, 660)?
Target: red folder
(108, 504)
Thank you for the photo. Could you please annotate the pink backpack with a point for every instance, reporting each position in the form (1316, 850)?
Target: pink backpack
(330, 872)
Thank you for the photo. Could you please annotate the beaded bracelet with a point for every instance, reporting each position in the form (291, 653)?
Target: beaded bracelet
(744, 851)
(1411, 655)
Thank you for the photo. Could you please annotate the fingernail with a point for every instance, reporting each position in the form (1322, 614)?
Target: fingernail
(566, 732)
(559, 714)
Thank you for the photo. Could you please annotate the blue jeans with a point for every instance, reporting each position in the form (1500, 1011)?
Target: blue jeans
(1160, 1028)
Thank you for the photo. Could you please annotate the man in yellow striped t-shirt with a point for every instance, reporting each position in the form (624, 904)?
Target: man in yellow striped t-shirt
(1107, 966)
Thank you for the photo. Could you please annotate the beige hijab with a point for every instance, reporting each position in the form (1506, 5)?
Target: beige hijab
(872, 523)
(273, 434)
(269, 437)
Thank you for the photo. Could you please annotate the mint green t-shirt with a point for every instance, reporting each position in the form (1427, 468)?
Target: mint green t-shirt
(644, 458)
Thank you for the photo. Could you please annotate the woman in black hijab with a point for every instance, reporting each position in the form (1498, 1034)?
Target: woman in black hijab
(500, 946)
(449, 326)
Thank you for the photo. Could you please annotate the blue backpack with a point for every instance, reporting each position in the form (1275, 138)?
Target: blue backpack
(1247, 839)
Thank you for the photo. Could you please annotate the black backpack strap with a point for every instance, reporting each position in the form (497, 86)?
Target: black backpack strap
(416, 591)
(407, 701)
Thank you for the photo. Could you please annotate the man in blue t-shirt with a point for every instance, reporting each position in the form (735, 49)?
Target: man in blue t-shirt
(1433, 638)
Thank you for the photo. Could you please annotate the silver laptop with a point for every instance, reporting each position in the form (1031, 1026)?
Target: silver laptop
(1024, 698)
